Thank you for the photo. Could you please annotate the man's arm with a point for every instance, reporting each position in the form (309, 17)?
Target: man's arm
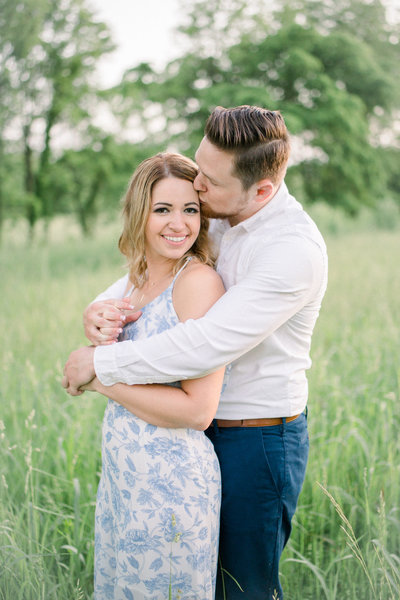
(195, 402)
(108, 312)
(278, 283)
(197, 288)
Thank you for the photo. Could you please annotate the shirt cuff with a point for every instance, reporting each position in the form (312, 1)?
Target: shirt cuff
(105, 364)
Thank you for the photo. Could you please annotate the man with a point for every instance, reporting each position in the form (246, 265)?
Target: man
(273, 262)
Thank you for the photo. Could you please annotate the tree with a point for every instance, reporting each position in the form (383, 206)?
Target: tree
(49, 85)
(330, 68)
(93, 179)
(327, 87)
(18, 35)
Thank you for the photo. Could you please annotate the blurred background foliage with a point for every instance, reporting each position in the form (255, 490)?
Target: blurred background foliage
(330, 66)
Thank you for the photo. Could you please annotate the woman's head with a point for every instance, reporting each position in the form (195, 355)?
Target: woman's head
(138, 206)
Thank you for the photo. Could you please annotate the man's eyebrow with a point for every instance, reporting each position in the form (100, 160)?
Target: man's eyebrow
(212, 179)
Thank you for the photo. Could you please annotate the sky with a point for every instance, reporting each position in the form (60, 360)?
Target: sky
(142, 31)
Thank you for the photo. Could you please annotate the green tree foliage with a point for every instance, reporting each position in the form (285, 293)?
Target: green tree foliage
(330, 68)
(93, 179)
(48, 85)
(18, 34)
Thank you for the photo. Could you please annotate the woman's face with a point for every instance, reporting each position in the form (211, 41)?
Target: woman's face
(174, 220)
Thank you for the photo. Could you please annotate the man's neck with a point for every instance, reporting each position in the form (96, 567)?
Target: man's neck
(252, 208)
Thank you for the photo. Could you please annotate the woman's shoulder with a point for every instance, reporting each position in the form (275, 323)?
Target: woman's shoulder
(196, 289)
(198, 273)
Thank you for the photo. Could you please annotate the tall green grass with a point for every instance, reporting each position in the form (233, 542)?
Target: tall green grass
(346, 540)
(346, 536)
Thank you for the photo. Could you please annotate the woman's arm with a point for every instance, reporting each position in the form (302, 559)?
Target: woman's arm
(167, 406)
(194, 405)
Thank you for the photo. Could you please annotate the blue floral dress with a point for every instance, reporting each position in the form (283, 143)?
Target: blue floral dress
(158, 501)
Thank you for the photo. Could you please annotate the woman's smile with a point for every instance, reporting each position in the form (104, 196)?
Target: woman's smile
(175, 239)
(174, 221)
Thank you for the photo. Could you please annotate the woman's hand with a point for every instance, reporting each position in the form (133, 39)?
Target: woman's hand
(103, 320)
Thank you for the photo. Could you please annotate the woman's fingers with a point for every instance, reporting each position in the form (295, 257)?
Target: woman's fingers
(103, 321)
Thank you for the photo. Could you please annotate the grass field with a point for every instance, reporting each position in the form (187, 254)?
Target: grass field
(346, 538)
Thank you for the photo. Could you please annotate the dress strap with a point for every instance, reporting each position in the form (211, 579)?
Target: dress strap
(187, 261)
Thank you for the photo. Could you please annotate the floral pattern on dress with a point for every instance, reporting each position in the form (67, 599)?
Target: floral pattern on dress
(158, 501)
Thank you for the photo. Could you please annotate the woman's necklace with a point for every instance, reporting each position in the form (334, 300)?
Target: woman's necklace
(150, 286)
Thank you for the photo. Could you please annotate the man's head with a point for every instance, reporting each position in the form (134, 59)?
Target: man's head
(242, 160)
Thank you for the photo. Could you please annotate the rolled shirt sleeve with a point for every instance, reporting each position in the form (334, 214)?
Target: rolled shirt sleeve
(273, 282)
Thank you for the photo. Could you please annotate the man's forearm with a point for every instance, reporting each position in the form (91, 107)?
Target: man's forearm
(239, 321)
(157, 359)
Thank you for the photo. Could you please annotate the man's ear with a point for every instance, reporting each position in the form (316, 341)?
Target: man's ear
(265, 190)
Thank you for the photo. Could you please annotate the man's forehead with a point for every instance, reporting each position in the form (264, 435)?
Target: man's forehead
(212, 161)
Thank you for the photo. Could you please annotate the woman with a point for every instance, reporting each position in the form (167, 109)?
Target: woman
(157, 512)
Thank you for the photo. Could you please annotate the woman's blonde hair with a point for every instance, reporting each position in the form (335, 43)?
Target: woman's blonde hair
(137, 206)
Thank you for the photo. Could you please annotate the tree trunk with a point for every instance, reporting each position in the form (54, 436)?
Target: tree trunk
(29, 179)
(89, 208)
(44, 159)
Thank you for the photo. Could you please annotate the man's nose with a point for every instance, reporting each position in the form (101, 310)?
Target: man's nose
(198, 184)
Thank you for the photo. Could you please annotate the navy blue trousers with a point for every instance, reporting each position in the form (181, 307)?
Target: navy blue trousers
(263, 470)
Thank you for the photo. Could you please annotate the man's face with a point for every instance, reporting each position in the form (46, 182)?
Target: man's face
(221, 194)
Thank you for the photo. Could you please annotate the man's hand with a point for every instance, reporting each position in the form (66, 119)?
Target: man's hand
(103, 320)
(78, 370)
(92, 386)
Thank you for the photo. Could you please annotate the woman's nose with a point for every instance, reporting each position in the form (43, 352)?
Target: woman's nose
(177, 221)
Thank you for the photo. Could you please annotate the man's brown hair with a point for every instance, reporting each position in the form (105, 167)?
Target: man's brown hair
(258, 139)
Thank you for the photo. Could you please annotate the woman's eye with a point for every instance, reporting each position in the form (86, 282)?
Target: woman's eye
(161, 210)
(192, 210)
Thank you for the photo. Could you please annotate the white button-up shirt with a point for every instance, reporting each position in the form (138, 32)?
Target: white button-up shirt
(274, 267)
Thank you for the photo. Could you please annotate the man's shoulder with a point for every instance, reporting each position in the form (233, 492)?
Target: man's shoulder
(293, 226)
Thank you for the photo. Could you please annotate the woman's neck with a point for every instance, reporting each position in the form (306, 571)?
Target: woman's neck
(158, 277)
(158, 271)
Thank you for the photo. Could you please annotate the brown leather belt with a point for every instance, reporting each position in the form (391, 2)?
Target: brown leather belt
(253, 422)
